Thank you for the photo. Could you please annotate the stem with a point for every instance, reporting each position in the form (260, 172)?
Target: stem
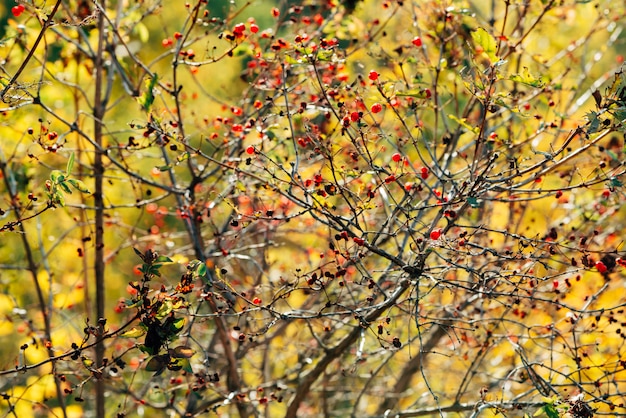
(46, 24)
(32, 269)
(333, 353)
(98, 169)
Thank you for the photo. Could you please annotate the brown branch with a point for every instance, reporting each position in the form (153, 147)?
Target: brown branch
(99, 110)
(46, 24)
(53, 359)
(413, 366)
(333, 353)
(33, 269)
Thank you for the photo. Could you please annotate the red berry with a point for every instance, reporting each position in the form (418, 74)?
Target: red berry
(239, 29)
(417, 41)
(256, 301)
(424, 173)
(18, 10)
(601, 267)
(178, 35)
(376, 108)
(254, 28)
(390, 179)
(354, 116)
(396, 157)
(435, 234)
(606, 193)
(558, 194)
(408, 186)
(250, 150)
(167, 42)
(275, 12)
(373, 75)
(358, 241)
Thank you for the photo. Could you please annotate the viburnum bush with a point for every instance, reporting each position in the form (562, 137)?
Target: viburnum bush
(321, 208)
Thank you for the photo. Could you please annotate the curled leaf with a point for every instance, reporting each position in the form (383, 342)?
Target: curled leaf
(181, 352)
(133, 333)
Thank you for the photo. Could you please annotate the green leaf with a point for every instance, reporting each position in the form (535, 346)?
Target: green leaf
(186, 365)
(147, 98)
(164, 310)
(525, 77)
(133, 333)
(63, 185)
(142, 31)
(70, 164)
(129, 303)
(487, 44)
(163, 259)
(463, 123)
(182, 157)
(57, 176)
(201, 270)
(551, 411)
(79, 185)
(293, 61)
(416, 93)
(177, 325)
(594, 122)
(473, 202)
(615, 182)
(59, 199)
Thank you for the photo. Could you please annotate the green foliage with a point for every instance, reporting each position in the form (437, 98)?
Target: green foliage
(147, 98)
(486, 44)
(61, 183)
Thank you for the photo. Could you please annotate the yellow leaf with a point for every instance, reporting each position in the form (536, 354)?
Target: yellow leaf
(485, 44)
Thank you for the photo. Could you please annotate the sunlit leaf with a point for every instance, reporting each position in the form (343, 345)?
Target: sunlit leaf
(79, 185)
(416, 93)
(525, 77)
(147, 98)
(142, 32)
(463, 122)
(59, 199)
(57, 176)
(133, 333)
(70, 164)
(177, 325)
(165, 309)
(487, 43)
